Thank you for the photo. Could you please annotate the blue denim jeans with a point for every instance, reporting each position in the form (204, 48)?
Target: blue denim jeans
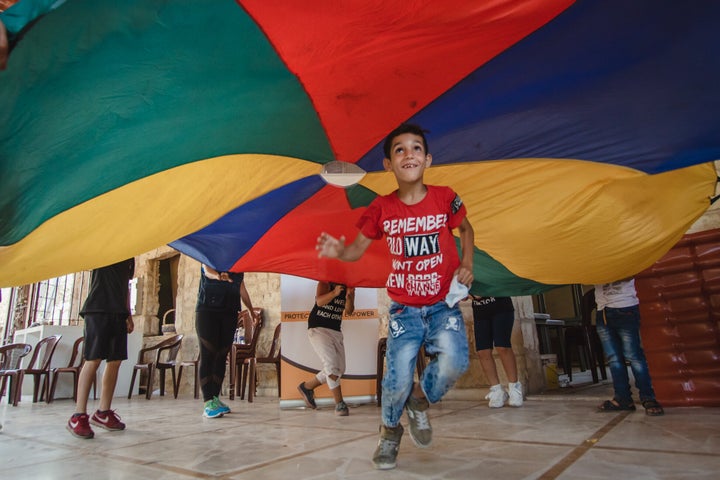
(442, 330)
(619, 332)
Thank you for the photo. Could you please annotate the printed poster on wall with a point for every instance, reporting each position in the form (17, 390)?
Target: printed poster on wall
(301, 363)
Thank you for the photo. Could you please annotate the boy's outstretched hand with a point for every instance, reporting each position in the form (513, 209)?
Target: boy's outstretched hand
(329, 246)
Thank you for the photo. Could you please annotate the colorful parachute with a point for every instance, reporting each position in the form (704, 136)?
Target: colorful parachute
(578, 133)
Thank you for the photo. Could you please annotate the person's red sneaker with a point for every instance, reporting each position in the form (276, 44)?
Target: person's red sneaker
(78, 425)
(109, 420)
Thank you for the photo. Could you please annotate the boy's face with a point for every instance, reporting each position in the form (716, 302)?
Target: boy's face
(408, 158)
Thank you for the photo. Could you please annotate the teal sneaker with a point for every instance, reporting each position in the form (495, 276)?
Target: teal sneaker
(213, 409)
(225, 408)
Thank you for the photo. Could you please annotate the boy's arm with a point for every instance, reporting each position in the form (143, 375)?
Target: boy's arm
(331, 247)
(245, 297)
(323, 294)
(467, 243)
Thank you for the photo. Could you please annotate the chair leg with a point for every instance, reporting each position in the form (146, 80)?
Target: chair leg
(53, 384)
(197, 382)
(148, 390)
(277, 370)
(36, 385)
(251, 379)
(132, 382)
(174, 382)
(592, 360)
(162, 382)
(45, 387)
(231, 376)
(240, 380)
(75, 385)
(177, 382)
(18, 388)
(243, 383)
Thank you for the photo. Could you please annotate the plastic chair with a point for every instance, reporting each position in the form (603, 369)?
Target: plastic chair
(196, 365)
(77, 360)
(583, 339)
(166, 353)
(11, 356)
(239, 352)
(39, 366)
(273, 357)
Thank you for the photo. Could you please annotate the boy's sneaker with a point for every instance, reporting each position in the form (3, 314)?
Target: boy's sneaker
(419, 424)
(109, 420)
(515, 394)
(497, 396)
(225, 408)
(79, 426)
(385, 456)
(308, 395)
(213, 409)
(341, 409)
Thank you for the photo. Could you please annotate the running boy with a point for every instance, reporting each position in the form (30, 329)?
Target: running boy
(417, 220)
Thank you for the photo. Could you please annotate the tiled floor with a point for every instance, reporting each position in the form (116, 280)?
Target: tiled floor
(557, 435)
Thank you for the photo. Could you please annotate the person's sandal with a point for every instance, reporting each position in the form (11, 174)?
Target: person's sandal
(615, 406)
(653, 408)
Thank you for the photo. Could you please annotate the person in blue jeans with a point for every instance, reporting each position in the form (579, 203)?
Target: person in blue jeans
(417, 223)
(618, 326)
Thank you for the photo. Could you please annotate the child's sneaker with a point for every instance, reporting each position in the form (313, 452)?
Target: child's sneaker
(385, 456)
(497, 396)
(109, 420)
(213, 409)
(515, 394)
(341, 409)
(308, 395)
(79, 426)
(419, 424)
(225, 408)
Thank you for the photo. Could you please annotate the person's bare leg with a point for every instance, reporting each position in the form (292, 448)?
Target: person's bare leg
(312, 384)
(507, 357)
(336, 392)
(109, 380)
(487, 362)
(85, 381)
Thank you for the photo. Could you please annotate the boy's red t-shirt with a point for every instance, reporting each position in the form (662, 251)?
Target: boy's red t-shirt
(421, 243)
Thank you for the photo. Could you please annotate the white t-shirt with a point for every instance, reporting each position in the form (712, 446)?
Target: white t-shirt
(616, 295)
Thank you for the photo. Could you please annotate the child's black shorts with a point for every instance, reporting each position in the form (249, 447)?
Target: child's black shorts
(105, 336)
(495, 330)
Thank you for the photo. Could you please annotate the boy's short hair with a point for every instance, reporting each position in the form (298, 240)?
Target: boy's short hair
(404, 128)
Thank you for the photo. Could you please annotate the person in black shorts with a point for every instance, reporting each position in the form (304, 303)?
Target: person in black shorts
(493, 318)
(108, 321)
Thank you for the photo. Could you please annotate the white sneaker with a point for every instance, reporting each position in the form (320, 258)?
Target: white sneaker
(515, 394)
(497, 396)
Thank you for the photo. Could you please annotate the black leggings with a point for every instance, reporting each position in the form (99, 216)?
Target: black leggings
(215, 333)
